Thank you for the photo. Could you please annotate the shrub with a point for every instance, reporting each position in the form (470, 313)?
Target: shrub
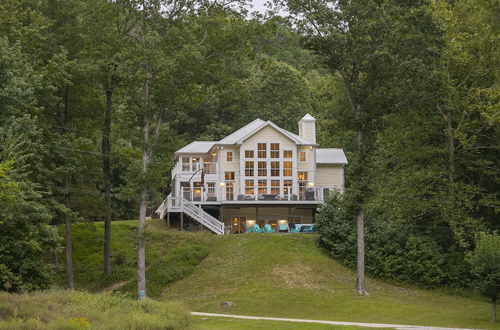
(81, 310)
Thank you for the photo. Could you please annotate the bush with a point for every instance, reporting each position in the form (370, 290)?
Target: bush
(81, 310)
(395, 252)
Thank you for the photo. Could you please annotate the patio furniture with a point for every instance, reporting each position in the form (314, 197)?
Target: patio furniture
(255, 229)
(270, 197)
(296, 229)
(283, 228)
(268, 229)
(306, 229)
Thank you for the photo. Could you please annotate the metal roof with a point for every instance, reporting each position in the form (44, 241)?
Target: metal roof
(307, 117)
(330, 156)
(197, 147)
(246, 130)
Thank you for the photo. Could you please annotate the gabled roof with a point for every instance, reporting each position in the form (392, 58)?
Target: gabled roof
(307, 117)
(330, 156)
(197, 147)
(246, 130)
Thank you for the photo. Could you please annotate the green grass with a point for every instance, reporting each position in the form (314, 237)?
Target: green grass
(170, 255)
(289, 276)
(80, 310)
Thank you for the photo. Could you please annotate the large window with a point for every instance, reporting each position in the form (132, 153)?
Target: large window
(275, 168)
(287, 168)
(261, 150)
(249, 187)
(287, 153)
(248, 153)
(275, 150)
(249, 168)
(195, 165)
(302, 156)
(229, 176)
(185, 164)
(275, 187)
(262, 187)
(262, 168)
(229, 156)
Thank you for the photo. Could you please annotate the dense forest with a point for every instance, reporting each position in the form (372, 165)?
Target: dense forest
(95, 96)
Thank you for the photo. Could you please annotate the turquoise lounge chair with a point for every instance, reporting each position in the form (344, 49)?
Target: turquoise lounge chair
(254, 229)
(268, 229)
(283, 228)
(308, 229)
(297, 228)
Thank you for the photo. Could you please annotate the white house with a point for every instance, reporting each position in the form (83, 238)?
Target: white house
(260, 174)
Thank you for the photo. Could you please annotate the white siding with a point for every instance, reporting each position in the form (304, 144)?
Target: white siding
(329, 176)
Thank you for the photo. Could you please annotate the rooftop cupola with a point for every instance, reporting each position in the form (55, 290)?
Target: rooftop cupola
(307, 128)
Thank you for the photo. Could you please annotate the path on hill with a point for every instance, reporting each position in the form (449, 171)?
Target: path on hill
(358, 324)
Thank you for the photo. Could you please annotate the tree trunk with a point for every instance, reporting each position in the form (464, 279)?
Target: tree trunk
(141, 253)
(451, 172)
(106, 167)
(69, 248)
(494, 309)
(360, 216)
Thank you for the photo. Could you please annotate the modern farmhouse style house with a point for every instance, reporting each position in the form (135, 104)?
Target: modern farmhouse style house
(260, 174)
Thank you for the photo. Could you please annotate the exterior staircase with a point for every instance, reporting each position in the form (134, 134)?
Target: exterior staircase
(180, 204)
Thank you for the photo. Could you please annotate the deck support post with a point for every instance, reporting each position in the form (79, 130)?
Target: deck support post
(168, 220)
(182, 221)
(256, 214)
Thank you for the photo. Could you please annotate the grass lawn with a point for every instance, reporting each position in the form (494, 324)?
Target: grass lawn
(289, 276)
(170, 255)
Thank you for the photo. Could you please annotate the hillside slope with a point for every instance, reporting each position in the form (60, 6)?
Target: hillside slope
(290, 276)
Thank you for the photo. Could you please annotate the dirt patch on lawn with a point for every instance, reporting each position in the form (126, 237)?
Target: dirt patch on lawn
(297, 276)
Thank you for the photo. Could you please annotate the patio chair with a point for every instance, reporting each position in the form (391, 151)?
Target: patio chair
(283, 228)
(306, 229)
(296, 229)
(268, 229)
(256, 229)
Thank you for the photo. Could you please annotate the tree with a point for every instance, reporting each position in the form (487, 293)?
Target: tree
(375, 49)
(486, 265)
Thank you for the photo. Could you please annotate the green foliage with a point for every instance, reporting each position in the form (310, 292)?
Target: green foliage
(486, 265)
(80, 310)
(394, 251)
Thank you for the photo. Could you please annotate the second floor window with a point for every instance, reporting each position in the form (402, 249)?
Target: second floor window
(302, 156)
(287, 168)
(211, 187)
(262, 168)
(249, 168)
(275, 187)
(302, 176)
(262, 187)
(275, 168)
(249, 187)
(229, 156)
(287, 153)
(229, 176)
(248, 153)
(185, 164)
(195, 165)
(261, 150)
(275, 150)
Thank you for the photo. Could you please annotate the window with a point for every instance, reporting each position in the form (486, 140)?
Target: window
(302, 176)
(195, 165)
(229, 156)
(262, 168)
(275, 168)
(229, 176)
(262, 187)
(248, 153)
(261, 150)
(302, 156)
(287, 187)
(287, 168)
(326, 193)
(229, 190)
(287, 153)
(211, 187)
(249, 168)
(185, 164)
(302, 190)
(275, 150)
(249, 187)
(275, 187)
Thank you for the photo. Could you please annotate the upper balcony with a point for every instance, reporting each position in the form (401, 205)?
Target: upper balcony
(191, 168)
(278, 195)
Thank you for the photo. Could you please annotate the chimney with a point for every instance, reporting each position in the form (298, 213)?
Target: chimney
(307, 128)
